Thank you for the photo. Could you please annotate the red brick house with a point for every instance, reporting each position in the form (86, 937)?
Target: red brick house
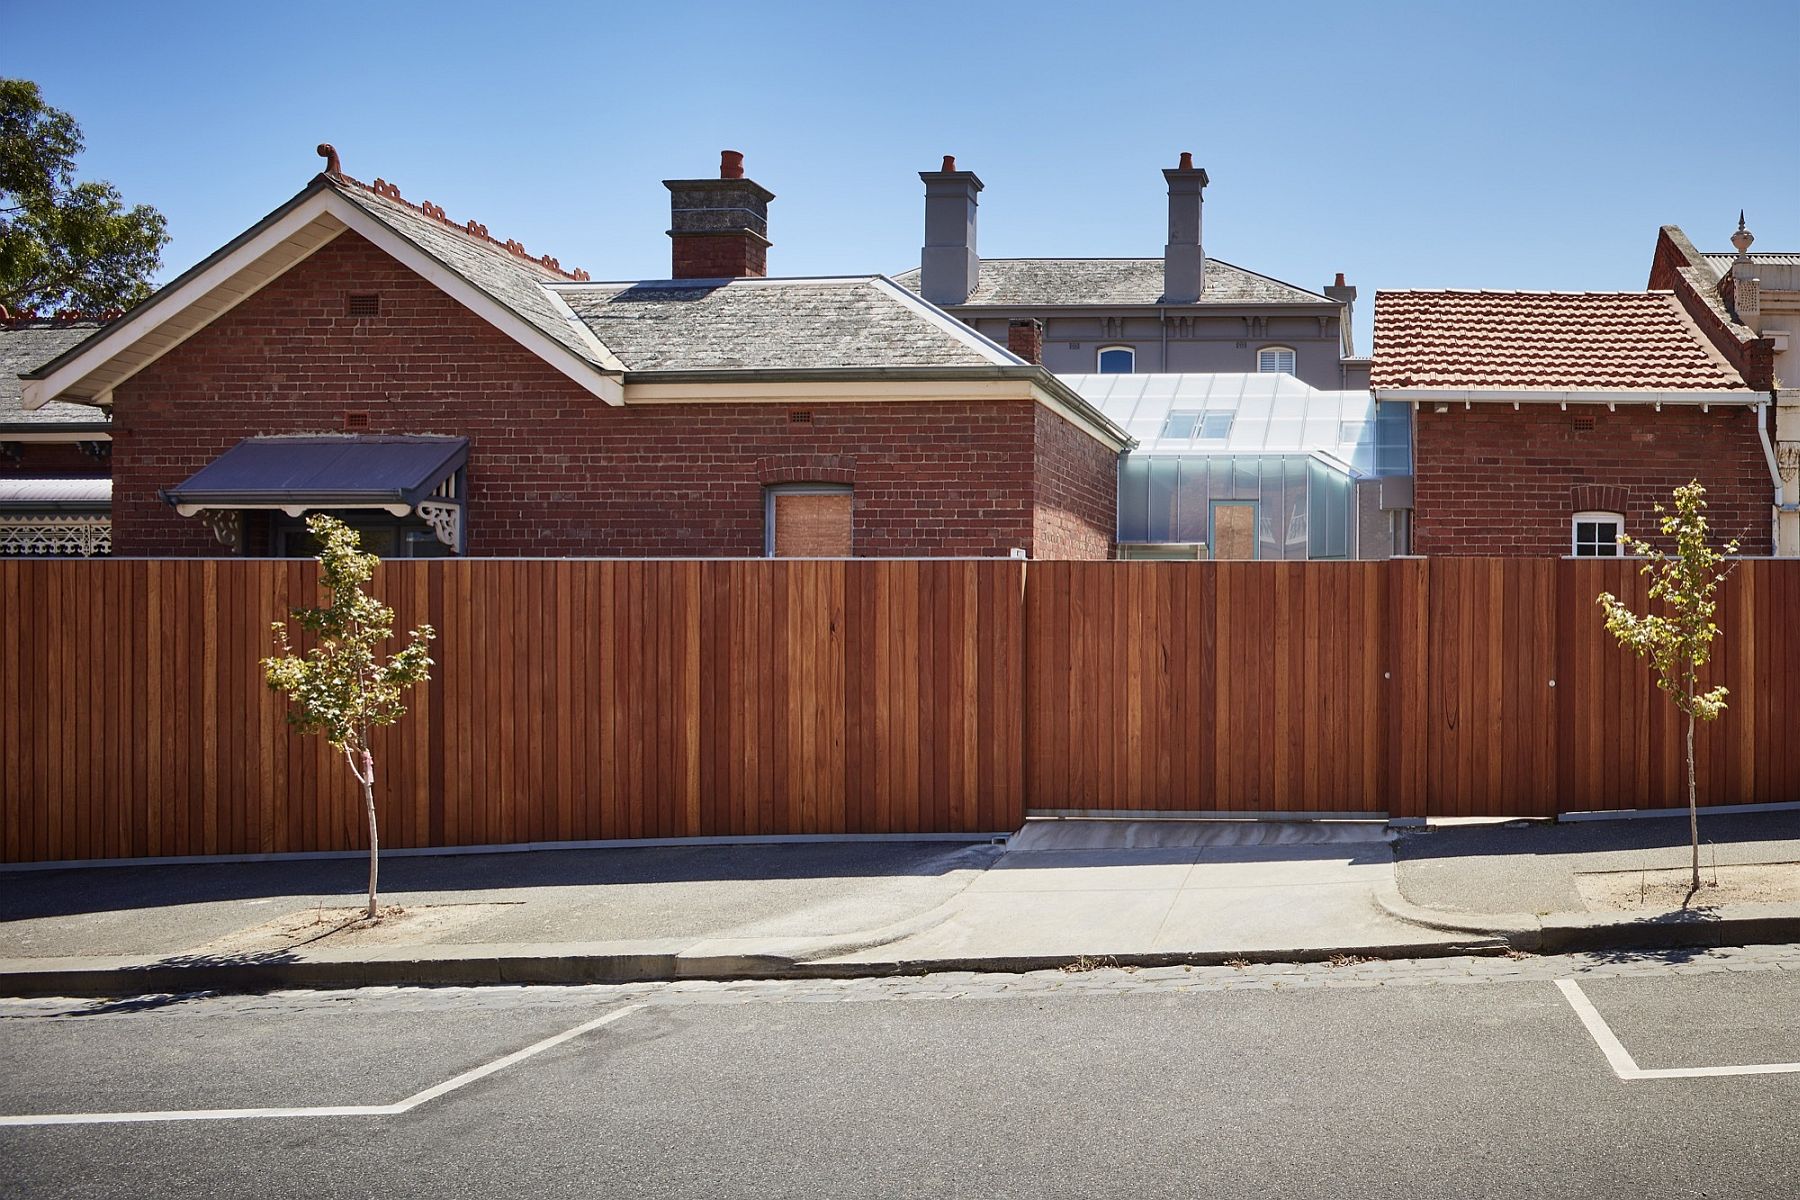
(1548, 422)
(447, 392)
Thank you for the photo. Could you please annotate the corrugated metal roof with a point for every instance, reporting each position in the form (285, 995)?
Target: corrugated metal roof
(55, 491)
(324, 469)
(1269, 413)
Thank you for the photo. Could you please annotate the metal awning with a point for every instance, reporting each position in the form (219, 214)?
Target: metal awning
(413, 474)
(55, 496)
(302, 474)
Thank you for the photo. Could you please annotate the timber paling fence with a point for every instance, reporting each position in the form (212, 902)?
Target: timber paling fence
(596, 699)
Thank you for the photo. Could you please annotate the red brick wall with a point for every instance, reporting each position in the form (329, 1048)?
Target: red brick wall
(1494, 481)
(1077, 492)
(51, 460)
(553, 470)
(718, 256)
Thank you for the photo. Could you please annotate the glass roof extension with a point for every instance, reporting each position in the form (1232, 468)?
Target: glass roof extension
(1253, 414)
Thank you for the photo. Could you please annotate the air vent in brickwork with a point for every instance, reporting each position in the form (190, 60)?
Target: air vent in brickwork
(356, 420)
(1584, 424)
(365, 306)
(800, 417)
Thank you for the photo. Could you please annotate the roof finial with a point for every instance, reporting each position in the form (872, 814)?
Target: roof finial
(329, 153)
(1742, 238)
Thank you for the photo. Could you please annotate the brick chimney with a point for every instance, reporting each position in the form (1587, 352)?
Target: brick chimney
(1026, 339)
(948, 265)
(719, 227)
(1184, 263)
(1344, 294)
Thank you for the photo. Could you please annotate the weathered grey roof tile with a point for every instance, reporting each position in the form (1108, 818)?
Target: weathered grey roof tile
(1112, 282)
(28, 344)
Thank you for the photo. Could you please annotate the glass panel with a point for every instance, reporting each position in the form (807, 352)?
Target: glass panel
(1160, 511)
(1328, 518)
(1180, 425)
(1134, 496)
(1191, 507)
(1272, 536)
(1215, 427)
(1294, 488)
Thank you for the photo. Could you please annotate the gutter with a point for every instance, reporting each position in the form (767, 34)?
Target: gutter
(1036, 375)
(1606, 396)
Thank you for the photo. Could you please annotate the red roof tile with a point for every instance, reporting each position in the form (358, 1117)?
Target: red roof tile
(1556, 341)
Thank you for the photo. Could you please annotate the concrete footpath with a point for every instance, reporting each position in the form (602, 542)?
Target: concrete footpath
(1062, 892)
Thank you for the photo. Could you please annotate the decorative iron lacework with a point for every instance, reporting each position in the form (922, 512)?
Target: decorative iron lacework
(33, 537)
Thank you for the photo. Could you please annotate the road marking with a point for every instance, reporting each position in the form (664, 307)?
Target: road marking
(330, 1110)
(1625, 1067)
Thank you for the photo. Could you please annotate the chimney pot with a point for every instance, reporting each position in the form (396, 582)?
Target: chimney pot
(718, 228)
(1187, 161)
(1340, 280)
(949, 162)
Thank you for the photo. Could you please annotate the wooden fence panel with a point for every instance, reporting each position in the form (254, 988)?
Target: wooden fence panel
(589, 699)
(1207, 687)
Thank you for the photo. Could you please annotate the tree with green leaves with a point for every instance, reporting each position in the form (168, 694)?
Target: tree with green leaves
(65, 245)
(338, 686)
(1677, 641)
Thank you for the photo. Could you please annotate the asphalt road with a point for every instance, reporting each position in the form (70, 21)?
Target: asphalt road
(1453, 1078)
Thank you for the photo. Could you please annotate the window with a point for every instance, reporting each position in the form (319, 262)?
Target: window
(1275, 359)
(1180, 425)
(1596, 534)
(807, 520)
(1215, 427)
(1117, 360)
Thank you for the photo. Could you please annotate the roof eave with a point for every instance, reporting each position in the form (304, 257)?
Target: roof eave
(1611, 396)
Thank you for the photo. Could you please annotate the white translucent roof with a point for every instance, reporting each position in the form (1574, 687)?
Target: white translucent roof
(1269, 413)
(20, 491)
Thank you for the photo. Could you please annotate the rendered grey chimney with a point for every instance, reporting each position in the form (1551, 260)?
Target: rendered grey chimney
(1344, 294)
(1184, 263)
(719, 228)
(948, 265)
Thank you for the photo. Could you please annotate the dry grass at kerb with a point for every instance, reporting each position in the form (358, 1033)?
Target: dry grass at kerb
(1665, 890)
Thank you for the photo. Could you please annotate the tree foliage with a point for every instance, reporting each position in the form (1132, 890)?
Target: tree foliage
(1677, 640)
(340, 687)
(63, 244)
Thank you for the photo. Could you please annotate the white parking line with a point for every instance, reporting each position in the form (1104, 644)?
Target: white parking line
(1625, 1067)
(330, 1110)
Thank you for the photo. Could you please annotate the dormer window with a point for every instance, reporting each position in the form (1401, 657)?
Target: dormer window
(1275, 360)
(1117, 360)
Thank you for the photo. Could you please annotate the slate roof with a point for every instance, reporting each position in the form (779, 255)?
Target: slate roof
(513, 279)
(775, 324)
(1554, 341)
(1112, 282)
(27, 343)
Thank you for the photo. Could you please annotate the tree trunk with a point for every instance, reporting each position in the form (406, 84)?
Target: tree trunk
(367, 775)
(1693, 793)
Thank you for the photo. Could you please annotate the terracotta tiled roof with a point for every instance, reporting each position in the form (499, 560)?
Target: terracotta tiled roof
(1556, 341)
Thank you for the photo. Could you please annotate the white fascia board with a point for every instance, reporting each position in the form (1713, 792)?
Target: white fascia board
(1581, 396)
(607, 387)
(608, 359)
(327, 205)
(52, 437)
(38, 392)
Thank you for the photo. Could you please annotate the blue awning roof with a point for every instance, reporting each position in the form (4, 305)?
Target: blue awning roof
(323, 471)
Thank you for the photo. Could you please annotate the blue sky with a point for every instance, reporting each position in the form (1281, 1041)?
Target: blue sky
(1500, 145)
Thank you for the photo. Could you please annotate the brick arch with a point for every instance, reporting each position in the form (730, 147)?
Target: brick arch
(806, 468)
(1597, 497)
